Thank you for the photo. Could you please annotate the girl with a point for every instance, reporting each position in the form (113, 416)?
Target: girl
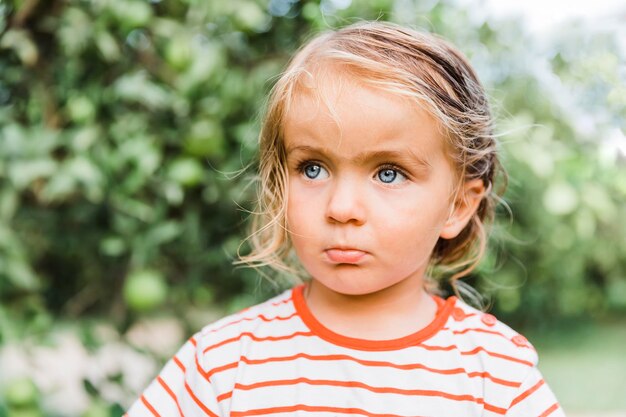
(377, 169)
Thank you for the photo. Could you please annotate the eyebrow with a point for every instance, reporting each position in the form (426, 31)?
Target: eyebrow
(406, 156)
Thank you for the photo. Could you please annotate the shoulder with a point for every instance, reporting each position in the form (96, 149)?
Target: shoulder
(483, 332)
(513, 385)
(275, 310)
(225, 337)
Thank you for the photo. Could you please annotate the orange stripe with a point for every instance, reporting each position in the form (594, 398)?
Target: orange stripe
(527, 393)
(382, 390)
(256, 338)
(224, 367)
(198, 402)
(497, 355)
(485, 331)
(494, 379)
(277, 303)
(411, 366)
(459, 318)
(149, 407)
(309, 334)
(193, 341)
(200, 369)
(476, 329)
(494, 409)
(446, 348)
(376, 363)
(180, 364)
(224, 396)
(550, 410)
(479, 330)
(475, 351)
(171, 393)
(260, 316)
(309, 408)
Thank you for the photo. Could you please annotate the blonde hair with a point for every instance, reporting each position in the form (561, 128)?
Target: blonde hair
(402, 61)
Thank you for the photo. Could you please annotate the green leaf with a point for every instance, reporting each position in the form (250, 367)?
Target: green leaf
(164, 232)
(108, 47)
(186, 171)
(22, 44)
(131, 13)
(136, 87)
(560, 198)
(23, 173)
(75, 31)
(9, 202)
(205, 139)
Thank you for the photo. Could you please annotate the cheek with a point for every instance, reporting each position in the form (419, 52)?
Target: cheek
(300, 210)
(415, 220)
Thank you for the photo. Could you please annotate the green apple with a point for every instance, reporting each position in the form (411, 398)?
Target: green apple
(186, 171)
(178, 52)
(21, 393)
(134, 13)
(80, 109)
(145, 290)
(249, 16)
(24, 412)
(97, 409)
(205, 139)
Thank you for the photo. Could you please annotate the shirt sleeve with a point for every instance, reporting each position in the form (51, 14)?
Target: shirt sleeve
(535, 399)
(181, 389)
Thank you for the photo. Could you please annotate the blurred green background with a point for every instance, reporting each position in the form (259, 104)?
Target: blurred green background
(124, 129)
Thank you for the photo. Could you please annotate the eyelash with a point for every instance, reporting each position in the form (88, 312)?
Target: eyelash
(302, 165)
(389, 165)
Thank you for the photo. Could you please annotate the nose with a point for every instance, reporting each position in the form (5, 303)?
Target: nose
(346, 203)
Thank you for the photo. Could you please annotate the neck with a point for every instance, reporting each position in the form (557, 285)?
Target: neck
(394, 312)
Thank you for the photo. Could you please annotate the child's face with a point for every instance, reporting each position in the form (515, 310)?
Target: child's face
(367, 202)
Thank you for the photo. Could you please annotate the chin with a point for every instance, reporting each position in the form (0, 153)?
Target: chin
(352, 286)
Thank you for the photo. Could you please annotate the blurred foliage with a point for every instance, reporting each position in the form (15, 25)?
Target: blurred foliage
(125, 126)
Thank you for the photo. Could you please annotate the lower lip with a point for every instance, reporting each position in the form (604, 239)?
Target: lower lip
(341, 256)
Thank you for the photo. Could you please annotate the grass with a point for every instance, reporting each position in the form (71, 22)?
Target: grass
(586, 367)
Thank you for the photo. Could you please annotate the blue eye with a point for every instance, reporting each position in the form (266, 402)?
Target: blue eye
(314, 171)
(390, 175)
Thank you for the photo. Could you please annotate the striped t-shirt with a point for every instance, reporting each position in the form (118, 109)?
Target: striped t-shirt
(277, 359)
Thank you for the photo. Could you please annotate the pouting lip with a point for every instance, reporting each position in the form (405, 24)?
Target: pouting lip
(345, 248)
(344, 256)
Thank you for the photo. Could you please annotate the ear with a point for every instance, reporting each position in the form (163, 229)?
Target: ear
(469, 197)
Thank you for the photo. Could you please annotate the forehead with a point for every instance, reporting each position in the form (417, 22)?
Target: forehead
(335, 109)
